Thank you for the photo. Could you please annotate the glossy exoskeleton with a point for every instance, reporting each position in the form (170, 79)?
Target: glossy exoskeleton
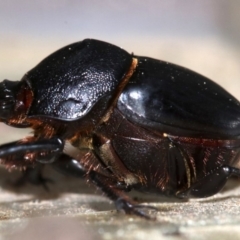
(134, 122)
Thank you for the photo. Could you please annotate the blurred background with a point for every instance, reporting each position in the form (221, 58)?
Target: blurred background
(201, 35)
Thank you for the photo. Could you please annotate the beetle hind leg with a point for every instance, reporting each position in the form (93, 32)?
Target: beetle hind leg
(211, 184)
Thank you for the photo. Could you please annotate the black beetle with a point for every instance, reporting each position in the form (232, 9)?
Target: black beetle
(134, 122)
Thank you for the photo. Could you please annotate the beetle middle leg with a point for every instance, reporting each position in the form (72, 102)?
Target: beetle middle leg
(211, 184)
(102, 179)
(121, 200)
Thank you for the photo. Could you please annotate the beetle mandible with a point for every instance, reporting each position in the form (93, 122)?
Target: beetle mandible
(136, 122)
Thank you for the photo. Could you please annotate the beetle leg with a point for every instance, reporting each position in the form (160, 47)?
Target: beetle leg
(29, 156)
(64, 164)
(121, 200)
(23, 154)
(114, 190)
(34, 176)
(69, 166)
(211, 184)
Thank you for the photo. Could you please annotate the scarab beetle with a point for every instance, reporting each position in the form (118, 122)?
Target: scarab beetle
(134, 122)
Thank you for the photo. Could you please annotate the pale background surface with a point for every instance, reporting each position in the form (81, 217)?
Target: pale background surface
(201, 35)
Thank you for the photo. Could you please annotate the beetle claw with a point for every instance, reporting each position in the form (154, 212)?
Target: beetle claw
(135, 209)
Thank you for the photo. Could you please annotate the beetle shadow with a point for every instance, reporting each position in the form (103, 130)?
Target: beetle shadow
(67, 185)
(63, 184)
(58, 185)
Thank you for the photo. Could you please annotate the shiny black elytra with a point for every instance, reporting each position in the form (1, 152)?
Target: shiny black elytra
(134, 122)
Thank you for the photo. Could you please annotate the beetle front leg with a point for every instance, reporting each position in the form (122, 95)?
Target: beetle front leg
(211, 184)
(21, 154)
(29, 156)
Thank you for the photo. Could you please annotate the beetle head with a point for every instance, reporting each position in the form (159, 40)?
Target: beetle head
(8, 90)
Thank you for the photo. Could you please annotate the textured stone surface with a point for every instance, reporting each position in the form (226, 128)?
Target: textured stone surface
(63, 213)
